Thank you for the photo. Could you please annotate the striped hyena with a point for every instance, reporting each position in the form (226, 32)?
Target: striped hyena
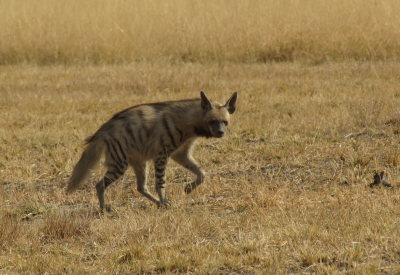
(155, 132)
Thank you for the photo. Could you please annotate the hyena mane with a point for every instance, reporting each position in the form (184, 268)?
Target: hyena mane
(154, 131)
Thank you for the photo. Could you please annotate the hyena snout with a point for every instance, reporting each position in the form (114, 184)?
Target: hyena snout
(220, 133)
(218, 129)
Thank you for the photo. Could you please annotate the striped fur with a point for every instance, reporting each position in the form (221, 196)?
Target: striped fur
(155, 132)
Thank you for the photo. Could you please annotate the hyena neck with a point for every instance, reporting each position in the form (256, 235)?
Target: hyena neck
(200, 127)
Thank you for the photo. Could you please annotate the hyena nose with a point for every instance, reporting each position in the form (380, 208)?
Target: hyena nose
(221, 133)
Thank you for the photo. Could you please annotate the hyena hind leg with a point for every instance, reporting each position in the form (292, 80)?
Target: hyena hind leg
(117, 164)
(140, 169)
(108, 178)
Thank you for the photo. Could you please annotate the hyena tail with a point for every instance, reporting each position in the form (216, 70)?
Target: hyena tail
(88, 161)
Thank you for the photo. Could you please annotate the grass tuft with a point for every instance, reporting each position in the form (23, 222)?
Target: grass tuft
(57, 227)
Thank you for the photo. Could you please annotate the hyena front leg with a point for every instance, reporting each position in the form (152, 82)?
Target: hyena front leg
(140, 169)
(160, 165)
(185, 159)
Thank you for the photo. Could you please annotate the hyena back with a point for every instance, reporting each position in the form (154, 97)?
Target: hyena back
(155, 132)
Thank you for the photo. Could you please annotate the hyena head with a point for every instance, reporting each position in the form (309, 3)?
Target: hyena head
(217, 116)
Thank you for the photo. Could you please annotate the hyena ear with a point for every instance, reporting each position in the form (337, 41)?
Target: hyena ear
(231, 103)
(205, 102)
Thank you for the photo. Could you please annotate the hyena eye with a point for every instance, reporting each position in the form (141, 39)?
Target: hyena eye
(225, 122)
(212, 122)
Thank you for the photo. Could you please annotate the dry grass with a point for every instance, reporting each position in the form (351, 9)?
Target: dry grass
(288, 188)
(103, 31)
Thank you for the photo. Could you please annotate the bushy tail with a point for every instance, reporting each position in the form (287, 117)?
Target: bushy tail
(89, 159)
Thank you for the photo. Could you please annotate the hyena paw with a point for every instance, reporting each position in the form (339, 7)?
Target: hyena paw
(106, 208)
(165, 204)
(189, 188)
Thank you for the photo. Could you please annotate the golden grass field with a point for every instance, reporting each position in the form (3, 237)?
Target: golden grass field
(120, 31)
(287, 189)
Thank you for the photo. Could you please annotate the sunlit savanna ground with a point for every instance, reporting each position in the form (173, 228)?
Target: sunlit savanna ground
(287, 189)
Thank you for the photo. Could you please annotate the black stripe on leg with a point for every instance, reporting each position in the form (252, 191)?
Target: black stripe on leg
(122, 151)
(110, 150)
(115, 167)
(116, 162)
(116, 152)
(160, 170)
(116, 173)
(113, 175)
(160, 183)
(160, 162)
(107, 181)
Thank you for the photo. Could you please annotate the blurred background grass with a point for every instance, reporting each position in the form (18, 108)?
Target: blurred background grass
(124, 31)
